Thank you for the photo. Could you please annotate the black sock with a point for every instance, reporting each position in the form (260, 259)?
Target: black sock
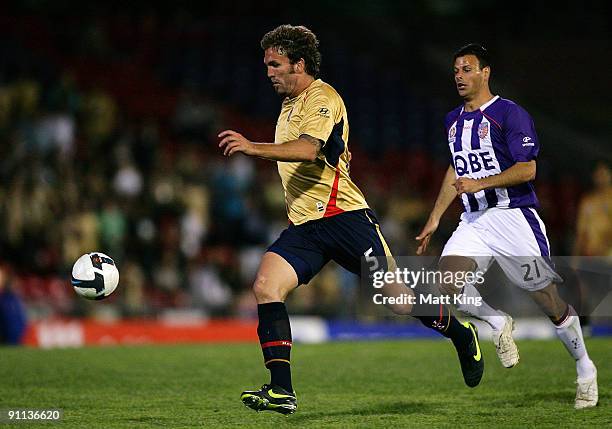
(274, 333)
(439, 316)
(448, 326)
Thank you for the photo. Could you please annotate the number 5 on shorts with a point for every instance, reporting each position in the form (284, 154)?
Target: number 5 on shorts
(371, 260)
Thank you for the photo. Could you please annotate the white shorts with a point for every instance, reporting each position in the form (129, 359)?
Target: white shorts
(515, 238)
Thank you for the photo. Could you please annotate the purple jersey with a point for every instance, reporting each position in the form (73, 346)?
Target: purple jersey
(488, 141)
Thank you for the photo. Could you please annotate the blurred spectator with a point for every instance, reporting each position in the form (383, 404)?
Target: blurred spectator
(113, 227)
(12, 312)
(133, 288)
(195, 221)
(195, 116)
(64, 95)
(594, 224)
(167, 275)
(593, 234)
(55, 132)
(128, 180)
(99, 110)
(208, 290)
(80, 231)
(26, 97)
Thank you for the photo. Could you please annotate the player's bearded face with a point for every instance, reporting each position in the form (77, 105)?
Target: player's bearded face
(280, 72)
(285, 83)
(469, 77)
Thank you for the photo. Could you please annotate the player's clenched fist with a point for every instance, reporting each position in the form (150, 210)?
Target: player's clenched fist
(233, 142)
(465, 185)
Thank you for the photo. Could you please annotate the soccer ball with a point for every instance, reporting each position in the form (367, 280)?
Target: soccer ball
(94, 276)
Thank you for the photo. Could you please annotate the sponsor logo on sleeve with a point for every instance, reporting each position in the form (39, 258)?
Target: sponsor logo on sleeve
(527, 141)
(324, 111)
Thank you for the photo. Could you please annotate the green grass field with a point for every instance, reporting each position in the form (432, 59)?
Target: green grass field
(352, 384)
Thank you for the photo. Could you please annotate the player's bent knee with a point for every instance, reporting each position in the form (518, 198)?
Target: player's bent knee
(265, 291)
(397, 298)
(457, 265)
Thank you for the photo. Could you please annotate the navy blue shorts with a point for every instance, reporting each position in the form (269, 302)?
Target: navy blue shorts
(345, 238)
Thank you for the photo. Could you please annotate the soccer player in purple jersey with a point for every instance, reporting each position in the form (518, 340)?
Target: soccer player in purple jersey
(494, 147)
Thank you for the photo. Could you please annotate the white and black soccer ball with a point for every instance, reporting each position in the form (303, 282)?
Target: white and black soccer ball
(94, 276)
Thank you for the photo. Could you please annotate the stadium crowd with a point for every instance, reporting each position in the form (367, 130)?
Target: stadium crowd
(108, 132)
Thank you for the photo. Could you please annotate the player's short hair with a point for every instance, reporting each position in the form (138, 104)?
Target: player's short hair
(295, 42)
(479, 51)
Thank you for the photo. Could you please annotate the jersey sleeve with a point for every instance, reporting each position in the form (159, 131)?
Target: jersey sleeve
(520, 134)
(446, 137)
(319, 113)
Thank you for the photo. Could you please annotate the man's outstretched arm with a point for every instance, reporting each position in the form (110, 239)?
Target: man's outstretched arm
(445, 197)
(304, 148)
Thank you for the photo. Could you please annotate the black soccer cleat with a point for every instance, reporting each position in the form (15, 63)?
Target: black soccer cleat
(471, 359)
(270, 398)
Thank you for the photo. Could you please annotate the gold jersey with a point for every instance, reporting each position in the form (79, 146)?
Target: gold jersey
(320, 188)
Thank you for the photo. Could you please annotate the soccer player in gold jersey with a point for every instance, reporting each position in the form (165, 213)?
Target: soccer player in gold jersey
(329, 216)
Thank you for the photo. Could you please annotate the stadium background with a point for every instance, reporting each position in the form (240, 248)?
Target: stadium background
(109, 115)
